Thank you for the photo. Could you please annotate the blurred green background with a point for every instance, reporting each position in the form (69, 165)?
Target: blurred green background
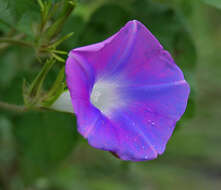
(43, 151)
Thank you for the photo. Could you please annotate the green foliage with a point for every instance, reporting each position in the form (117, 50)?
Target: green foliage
(34, 91)
(76, 23)
(55, 91)
(44, 139)
(6, 18)
(215, 3)
(8, 71)
(18, 9)
(19, 15)
(103, 23)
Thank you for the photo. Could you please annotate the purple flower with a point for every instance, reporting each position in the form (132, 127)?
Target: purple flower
(127, 93)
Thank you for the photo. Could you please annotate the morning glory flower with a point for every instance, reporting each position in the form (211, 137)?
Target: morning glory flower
(127, 93)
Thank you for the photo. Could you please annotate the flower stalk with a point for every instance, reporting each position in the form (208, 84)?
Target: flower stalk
(15, 41)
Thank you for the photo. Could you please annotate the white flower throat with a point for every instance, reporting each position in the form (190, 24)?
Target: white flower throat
(104, 96)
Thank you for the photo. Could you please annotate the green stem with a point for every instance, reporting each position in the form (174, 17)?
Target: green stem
(14, 41)
(12, 107)
(19, 108)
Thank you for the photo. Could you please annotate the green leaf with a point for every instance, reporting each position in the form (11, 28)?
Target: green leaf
(28, 23)
(57, 57)
(160, 19)
(7, 144)
(59, 52)
(60, 40)
(44, 140)
(6, 17)
(20, 16)
(14, 66)
(76, 24)
(8, 67)
(52, 1)
(36, 86)
(215, 3)
(56, 27)
(105, 21)
(55, 91)
(19, 9)
(13, 92)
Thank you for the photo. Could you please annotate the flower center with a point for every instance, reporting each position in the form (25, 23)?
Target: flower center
(104, 96)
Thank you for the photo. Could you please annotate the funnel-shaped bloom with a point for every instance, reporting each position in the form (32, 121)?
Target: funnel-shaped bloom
(127, 93)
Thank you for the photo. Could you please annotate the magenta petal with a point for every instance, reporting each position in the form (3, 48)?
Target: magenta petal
(127, 93)
(109, 56)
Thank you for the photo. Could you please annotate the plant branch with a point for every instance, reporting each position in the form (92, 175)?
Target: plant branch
(12, 107)
(14, 41)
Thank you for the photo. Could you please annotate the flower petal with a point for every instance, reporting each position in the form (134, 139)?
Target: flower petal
(110, 55)
(151, 113)
(127, 93)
